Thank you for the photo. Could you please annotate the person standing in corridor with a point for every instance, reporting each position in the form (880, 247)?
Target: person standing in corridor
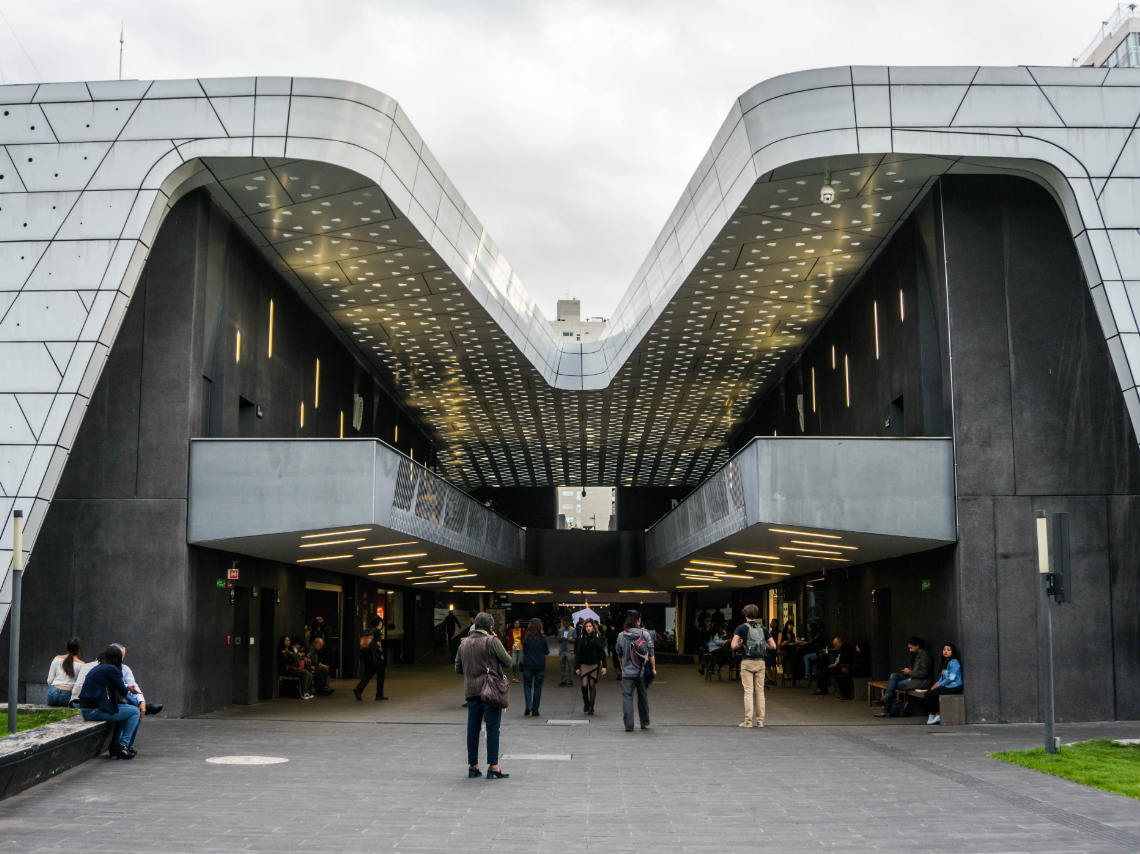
(756, 641)
(635, 652)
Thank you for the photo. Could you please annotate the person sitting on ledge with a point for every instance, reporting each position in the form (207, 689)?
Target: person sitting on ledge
(950, 682)
(105, 697)
(915, 675)
(61, 674)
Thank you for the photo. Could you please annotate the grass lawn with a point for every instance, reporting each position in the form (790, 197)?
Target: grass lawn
(1101, 763)
(31, 720)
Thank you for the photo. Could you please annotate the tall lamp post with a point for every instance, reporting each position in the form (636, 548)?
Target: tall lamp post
(1053, 571)
(14, 620)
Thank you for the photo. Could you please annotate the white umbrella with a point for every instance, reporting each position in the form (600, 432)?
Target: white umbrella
(585, 614)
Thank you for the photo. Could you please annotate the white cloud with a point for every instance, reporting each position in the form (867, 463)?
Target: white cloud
(570, 127)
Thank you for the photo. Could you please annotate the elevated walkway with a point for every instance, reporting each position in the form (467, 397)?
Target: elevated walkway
(344, 504)
(767, 509)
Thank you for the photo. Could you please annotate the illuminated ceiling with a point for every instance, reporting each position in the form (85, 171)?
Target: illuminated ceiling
(752, 301)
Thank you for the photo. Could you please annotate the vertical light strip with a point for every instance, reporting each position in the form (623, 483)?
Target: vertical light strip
(833, 357)
(302, 413)
(902, 307)
(412, 453)
(875, 313)
(813, 389)
(237, 347)
(271, 329)
(342, 423)
(317, 387)
(846, 380)
(396, 435)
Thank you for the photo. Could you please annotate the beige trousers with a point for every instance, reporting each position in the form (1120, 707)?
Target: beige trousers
(752, 677)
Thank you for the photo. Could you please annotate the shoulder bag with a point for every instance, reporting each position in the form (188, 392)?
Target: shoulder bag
(496, 689)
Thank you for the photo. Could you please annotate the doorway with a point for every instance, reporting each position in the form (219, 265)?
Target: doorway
(266, 654)
(327, 600)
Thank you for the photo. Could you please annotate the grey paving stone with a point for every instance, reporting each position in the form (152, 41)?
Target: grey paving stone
(822, 776)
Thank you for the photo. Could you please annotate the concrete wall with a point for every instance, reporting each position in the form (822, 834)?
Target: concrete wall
(112, 562)
(991, 284)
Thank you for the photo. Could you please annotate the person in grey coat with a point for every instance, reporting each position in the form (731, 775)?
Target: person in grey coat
(917, 675)
(479, 652)
(633, 671)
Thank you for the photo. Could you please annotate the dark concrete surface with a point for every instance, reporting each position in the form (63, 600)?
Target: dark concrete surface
(823, 775)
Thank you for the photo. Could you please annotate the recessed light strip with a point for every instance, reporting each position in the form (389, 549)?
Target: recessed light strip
(331, 543)
(387, 545)
(333, 533)
(826, 545)
(746, 554)
(805, 533)
(323, 557)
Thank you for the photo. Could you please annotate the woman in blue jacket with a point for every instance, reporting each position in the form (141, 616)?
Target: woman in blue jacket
(105, 697)
(950, 682)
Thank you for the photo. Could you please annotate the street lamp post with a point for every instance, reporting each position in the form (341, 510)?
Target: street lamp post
(14, 619)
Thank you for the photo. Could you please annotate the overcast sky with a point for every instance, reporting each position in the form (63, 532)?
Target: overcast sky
(569, 127)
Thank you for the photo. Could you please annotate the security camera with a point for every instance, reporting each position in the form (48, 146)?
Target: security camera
(827, 194)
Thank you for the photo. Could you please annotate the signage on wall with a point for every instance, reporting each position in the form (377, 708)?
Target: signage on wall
(221, 584)
(232, 573)
(925, 584)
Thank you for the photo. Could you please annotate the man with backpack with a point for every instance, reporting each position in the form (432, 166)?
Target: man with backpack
(635, 652)
(755, 639)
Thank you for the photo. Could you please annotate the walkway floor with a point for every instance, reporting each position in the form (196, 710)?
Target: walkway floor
(365, 776)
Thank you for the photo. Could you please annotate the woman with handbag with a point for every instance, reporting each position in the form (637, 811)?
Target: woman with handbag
(481, 659)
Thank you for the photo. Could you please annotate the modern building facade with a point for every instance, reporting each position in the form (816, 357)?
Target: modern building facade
(254, 327)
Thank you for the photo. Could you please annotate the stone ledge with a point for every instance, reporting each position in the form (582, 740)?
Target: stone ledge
(30, 757)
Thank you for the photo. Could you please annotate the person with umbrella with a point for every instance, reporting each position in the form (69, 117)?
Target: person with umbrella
(591, 653)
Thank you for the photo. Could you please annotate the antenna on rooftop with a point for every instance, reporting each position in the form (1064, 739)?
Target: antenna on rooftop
(120, 50)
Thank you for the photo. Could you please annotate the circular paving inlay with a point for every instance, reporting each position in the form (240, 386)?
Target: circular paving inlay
(246, 760)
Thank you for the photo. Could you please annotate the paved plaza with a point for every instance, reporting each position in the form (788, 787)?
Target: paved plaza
(823, 775)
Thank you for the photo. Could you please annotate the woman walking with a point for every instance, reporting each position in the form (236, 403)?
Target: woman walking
(535, 650)
(481, 653)
(61, 675)
(591, 662)
(950, 682)
(515, 648)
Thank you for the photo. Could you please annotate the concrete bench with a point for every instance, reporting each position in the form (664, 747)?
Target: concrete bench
(30, 757)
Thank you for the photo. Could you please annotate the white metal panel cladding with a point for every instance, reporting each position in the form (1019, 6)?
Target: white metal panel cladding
(664, 385)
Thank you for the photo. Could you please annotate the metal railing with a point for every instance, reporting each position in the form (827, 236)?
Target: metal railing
(427, 506)
(1108, 27)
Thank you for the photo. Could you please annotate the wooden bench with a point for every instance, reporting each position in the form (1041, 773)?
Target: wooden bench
(952, 707)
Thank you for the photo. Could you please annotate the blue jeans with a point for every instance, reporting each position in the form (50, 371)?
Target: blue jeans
(58, 696)
(895, 682)
(126, 721)
(535, 678)
(477, 713)
(808, 660)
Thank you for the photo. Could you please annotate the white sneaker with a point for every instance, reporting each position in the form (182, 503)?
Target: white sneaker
(929, 719)
(937, 719)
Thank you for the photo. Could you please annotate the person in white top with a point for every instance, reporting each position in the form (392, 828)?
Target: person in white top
(61, 674)
(130, 681)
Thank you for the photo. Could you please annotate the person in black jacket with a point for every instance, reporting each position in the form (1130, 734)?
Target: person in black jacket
(840, 670)
(105, 697)
(534, 649)
(591, 661)
(372, 659)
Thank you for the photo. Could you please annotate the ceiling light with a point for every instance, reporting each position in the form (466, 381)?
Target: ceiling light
(767, 572)
(811, 551)
(713, 563)
(805, 533)
(690, 586)
(745, 554)
(323, 557)
(826, 545)
(333, 533)
(389, 572)
(434, 565)
(386, 545)
(331, 543)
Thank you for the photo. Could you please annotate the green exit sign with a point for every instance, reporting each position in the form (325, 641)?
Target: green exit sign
(222, 584)
(926, 584)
